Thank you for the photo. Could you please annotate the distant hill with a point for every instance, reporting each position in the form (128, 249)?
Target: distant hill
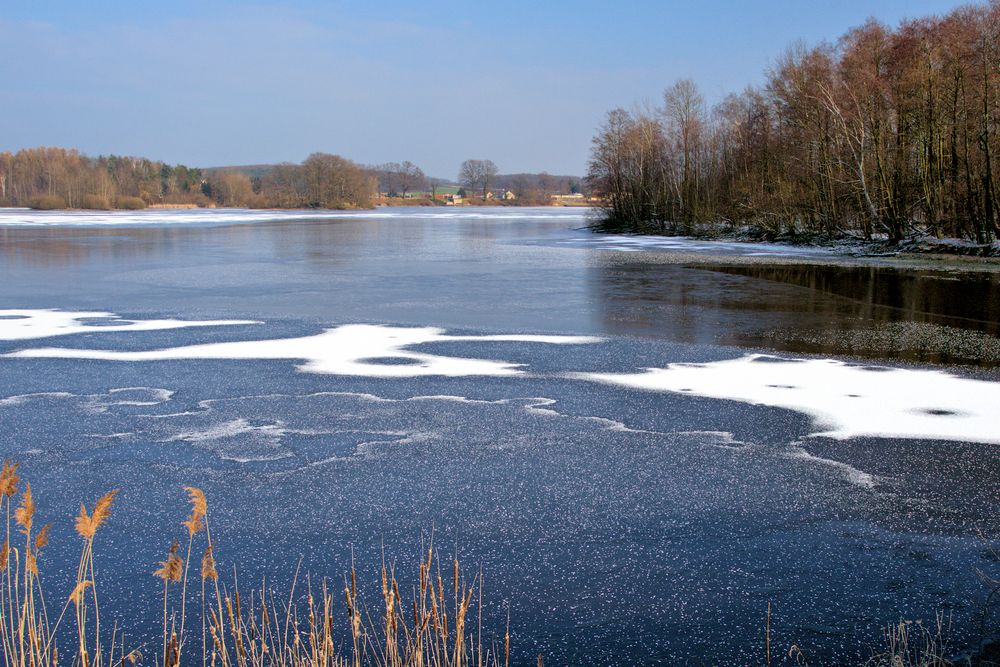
(251, 170)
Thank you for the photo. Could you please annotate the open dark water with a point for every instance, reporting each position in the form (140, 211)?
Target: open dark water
(618, 525)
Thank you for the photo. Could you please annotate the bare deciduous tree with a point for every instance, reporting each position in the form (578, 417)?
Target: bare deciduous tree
(888, 132)
(477, 175)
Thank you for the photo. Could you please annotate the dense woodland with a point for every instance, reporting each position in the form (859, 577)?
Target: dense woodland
(51, 178)
(885, 133)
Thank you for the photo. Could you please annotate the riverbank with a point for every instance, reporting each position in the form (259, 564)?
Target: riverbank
(381, 203)
(142, 206)
(474, 202)
(914, 245)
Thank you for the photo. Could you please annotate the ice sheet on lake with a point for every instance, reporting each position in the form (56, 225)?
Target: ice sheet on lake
(33, 323)
(355, 349)
(283, 433)
(23, 217)
(844, 400)
(640, 243)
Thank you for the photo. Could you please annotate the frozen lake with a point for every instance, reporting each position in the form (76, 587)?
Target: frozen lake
(643, 441)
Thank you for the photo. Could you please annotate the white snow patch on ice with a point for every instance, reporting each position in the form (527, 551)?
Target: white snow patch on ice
(240, 441)
(538, 406)
(854, 476)
(355, 349)
(153, 396)
(229, 429)
(449, 398)
(719, 439)
(98, 403)
(30, 324)
(541, 406)
(24, 398)
(844, 400)
(645, 243)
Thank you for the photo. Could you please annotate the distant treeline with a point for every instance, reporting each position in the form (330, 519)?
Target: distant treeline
(56, 178)
(476, 177)
(321, 181)
(888, 131)
(536, 188)
(60, 178)
(52, 178)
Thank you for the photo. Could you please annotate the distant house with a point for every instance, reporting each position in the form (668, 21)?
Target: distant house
(575, 198)
(450, 199)
(505, 195)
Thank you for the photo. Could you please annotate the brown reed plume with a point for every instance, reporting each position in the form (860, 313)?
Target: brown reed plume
(427, 628)
(87, 525)
(27, 637)
(9, 478)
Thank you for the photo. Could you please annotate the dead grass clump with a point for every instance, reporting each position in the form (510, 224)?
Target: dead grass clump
(130, 203)
(915, 644)
(47, 203)
(95, 202)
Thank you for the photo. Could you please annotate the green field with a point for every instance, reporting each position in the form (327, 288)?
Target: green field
(443, 190)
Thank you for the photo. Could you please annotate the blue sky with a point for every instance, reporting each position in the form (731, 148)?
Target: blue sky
(522, 83)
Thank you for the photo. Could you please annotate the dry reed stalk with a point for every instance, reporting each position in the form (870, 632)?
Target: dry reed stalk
(767, 637)
(915, 644)
(195, 523)
(26, 635)
(413, 632)
(170, 571)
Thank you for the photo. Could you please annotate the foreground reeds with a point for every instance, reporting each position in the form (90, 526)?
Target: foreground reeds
(437, 623)
(428, 627)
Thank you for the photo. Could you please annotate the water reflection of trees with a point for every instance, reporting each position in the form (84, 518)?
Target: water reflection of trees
(772, 306)
(317, 240)
(61, 247)
(892, 295)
